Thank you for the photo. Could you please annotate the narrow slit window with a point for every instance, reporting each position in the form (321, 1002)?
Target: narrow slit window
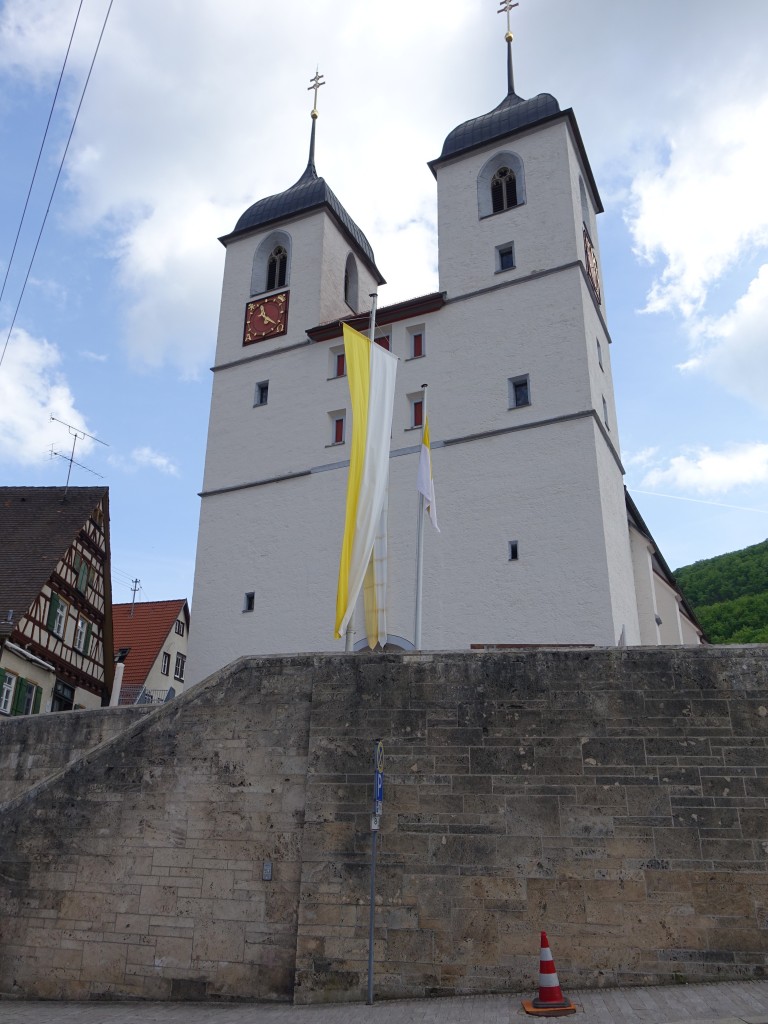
(417, 412)
(513, 551)
(261, 394)
(341, 368)
(249, 601)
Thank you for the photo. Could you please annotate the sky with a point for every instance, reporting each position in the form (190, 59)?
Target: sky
(195, 109)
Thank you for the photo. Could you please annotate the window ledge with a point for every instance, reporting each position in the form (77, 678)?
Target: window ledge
(336, 444)
(410, 359)
(338, 376)
(412, 428)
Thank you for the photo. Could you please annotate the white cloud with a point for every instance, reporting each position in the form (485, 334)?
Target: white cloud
(732, 349)
(32, 389)
(704, 471)
(641, 459)
(142, 458)
(706, 207)
(94, 357)
(147, 456)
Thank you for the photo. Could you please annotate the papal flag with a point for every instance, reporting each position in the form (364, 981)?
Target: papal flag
(371, 375)
(425, 482)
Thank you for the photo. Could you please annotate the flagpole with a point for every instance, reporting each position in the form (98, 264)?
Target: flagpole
(420, 535)
(349, 635)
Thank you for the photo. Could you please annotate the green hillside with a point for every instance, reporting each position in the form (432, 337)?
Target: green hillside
(729, 594)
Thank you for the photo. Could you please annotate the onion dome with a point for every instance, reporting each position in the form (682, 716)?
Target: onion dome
(309, 193)
(512, 114)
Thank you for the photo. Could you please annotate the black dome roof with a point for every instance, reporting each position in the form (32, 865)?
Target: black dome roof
(511, 114)
(309, 192)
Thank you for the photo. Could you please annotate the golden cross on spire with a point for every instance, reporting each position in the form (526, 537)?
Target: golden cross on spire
(316, 82)
(506, 7)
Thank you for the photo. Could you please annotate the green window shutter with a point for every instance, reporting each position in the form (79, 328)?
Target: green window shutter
(20, 697)
(87, 644)
(52, 609)
(2, 676)
(38, 698)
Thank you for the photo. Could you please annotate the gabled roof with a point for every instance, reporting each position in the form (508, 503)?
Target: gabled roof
(37, 527)
(145, 632)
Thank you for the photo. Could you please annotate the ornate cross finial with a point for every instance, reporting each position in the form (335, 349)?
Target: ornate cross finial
(316, 82)
(506, 7)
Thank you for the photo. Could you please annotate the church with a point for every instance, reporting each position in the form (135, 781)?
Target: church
(540, 543)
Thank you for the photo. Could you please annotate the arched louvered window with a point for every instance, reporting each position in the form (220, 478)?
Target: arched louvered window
(500, 184)
(277, 265)
(503, 190)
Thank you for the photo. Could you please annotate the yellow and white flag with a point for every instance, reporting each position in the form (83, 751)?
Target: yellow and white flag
(371, 375)
(425, 483)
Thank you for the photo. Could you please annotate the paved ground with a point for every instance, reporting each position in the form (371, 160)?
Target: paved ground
(726, 1003)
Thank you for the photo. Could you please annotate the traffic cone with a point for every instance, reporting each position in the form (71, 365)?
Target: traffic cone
(550, 1001)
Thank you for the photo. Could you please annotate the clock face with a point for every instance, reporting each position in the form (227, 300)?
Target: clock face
(592, 269)
(265, 318)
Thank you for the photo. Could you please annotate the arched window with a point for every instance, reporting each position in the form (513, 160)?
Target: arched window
(500, 184)
(503, 190)
(350, 282)
(272, 263)
(277, 267)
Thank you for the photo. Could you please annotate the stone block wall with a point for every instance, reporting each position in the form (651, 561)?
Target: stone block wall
(33, 748)
(616, 798)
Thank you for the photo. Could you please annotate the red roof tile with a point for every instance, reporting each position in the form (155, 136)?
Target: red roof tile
(145, 632)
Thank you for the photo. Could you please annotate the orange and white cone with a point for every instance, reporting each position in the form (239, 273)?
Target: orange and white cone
(550, 1001)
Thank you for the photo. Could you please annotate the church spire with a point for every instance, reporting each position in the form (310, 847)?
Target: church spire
(315, 84)
(506, 7)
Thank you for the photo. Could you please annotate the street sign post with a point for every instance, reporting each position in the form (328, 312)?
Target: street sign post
(378, 807)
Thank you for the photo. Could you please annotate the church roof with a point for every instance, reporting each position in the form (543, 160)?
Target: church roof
(309, 193)
(512, 114)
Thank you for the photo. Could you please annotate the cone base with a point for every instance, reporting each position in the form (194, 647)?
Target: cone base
(548, 1009)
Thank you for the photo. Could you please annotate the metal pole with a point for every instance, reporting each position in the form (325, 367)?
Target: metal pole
(372, 917)
(420, 536)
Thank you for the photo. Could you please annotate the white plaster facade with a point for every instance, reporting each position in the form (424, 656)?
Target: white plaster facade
(546, 475)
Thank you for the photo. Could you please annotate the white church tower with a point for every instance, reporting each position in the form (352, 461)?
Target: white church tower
(539, 543)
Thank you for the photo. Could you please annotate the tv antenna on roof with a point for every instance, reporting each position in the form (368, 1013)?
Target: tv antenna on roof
(77, 435)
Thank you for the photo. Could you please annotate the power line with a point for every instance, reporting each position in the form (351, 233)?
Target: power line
(56, 182)
(40, 151)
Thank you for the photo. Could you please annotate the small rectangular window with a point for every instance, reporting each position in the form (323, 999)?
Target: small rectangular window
(605, 414)
(165, 667)
(383, 341)
(513, 551)
(63, 697)
(599, 353)
(261, 394)
(338, 424)
(82, 636)
(179, 627)
(6, 693)
(249, 601)
(59, 616)
(519, 391)
(416, 348)
(341, 368)
(417, 412)
(178, 671)
(505, 257)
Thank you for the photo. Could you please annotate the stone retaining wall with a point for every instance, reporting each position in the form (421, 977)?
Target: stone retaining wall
(616, 798)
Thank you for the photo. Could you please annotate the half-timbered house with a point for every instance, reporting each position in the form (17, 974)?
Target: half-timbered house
(56, 646)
